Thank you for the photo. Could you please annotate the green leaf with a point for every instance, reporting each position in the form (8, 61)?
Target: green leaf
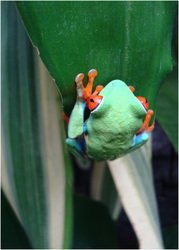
(170, 235)
(93, 226)
(167, 102)
(102, 188)
(167, 107)
(12, 233)
(125, 40)
(132, 175)
(36, 168)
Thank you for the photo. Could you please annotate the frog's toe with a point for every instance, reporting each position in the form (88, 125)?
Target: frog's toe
(98, 89)
(79, 78)
(92, 73)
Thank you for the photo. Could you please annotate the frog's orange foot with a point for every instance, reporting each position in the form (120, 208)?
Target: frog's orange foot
(87, 92)
(145, 126)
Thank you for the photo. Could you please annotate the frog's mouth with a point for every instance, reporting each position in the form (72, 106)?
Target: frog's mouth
(97, 107)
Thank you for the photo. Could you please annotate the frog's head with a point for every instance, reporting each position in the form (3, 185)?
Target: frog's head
(118, 100)
(144, 102)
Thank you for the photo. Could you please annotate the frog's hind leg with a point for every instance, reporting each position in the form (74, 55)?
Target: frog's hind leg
(76, 147)
(138, 141)
(66, 118)
(145, 126)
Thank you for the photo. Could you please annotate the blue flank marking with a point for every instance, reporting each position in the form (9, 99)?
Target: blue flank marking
(85, 126)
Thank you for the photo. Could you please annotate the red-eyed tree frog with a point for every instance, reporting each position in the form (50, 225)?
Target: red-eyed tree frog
(118, 122)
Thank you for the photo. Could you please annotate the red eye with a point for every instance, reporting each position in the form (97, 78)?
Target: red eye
(94, 101)
(144, 102)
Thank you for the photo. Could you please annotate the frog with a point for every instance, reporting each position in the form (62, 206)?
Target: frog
(118, 122)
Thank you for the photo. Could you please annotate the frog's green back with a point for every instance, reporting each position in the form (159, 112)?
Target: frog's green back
(113, 124)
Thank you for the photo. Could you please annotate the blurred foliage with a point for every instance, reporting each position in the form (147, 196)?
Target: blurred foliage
(170, 236)
(12, 233)
(36, 167)
(93, 226)
(167, 101)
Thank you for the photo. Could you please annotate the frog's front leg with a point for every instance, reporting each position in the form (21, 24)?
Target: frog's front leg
(76, 126)
(75, 142)
(76, 122)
